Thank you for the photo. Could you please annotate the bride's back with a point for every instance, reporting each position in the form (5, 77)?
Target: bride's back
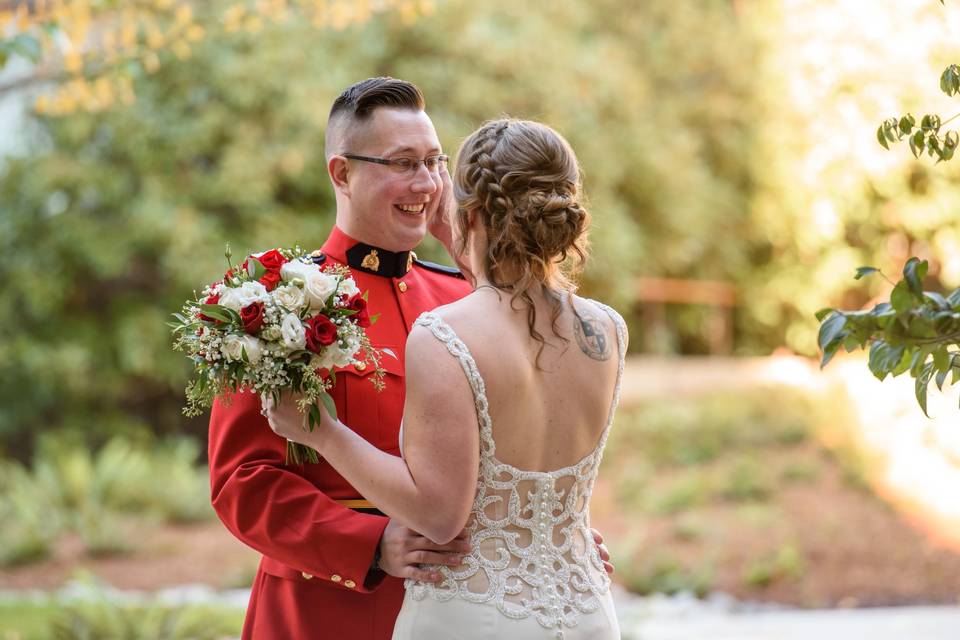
(547, 412)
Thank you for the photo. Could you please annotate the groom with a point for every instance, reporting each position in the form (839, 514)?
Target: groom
(332, 564)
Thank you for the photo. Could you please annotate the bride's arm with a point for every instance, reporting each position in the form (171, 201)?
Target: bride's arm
(430, 489)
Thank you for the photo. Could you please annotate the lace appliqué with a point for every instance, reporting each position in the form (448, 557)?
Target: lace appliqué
(532, 550)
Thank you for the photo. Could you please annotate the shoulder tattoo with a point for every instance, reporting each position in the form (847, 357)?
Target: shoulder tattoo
(591, 334)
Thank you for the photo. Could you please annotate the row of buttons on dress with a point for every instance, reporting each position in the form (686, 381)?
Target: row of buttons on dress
(349, 584)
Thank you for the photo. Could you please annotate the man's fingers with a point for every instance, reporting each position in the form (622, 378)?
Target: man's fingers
(608, 568)
(457, 545)
(596, 536)
(604, 554)
(433, 557)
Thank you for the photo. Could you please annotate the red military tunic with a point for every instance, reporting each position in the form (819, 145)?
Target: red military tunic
(313, 578)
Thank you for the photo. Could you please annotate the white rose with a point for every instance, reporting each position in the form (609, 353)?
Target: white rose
(253, 346)
(324, 360)
(297, 269)
(318, 287)
(289, 296)
(291, 330)
(237, 298)
(348, 288)
(232, 348)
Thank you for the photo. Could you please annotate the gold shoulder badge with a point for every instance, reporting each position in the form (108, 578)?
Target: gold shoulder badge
(371, 261)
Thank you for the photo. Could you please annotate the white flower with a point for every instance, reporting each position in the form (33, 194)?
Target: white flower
(297, 269)
(290, 297)
(237, 298)
(341, 357)
(291, 330)
(253, 346)
(318, 287)
(348, 287)
(234, 346)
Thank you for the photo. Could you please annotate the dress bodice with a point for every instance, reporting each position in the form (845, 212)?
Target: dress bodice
(532, 553)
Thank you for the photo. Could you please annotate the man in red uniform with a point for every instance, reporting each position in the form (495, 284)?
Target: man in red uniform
(332, 565)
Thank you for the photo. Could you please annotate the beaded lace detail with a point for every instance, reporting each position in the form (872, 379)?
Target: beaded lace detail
(532, 551)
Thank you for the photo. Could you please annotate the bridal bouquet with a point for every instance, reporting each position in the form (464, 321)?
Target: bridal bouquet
(276, 323)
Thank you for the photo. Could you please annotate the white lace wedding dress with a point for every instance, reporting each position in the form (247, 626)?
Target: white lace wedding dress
(534, 570)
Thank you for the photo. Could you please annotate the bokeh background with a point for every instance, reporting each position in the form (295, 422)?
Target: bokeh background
(731, 165)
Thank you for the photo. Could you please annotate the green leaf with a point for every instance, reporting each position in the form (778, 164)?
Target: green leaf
(328, 404)
(255, 268)
(941, 378)
(883, 358)
(954, 298)
(831, 329)
(864, 271)
(216, 312)
(881, 138)
(917, 143)
(901, 298)
(823, 313)
(906, 124)
(914, 272)
(937, 299)
(941, 359)
(920, 387)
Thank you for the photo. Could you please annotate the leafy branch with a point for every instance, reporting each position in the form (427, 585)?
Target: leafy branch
(917, 332)
(926, 137)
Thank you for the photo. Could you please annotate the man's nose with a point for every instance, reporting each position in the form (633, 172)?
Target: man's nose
(424, 181)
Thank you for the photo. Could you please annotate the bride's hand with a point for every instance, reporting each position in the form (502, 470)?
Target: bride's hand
(287, 422)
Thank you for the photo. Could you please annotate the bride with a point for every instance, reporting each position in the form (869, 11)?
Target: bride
(510, 397)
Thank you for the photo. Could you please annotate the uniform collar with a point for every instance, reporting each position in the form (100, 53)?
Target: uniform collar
(367, 258)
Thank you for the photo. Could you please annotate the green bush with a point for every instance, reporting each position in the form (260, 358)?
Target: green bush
(69, 488)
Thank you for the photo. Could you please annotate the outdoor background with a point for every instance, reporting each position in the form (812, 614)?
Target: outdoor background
(735, 180)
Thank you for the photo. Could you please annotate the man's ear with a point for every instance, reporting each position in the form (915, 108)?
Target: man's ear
(339, 170)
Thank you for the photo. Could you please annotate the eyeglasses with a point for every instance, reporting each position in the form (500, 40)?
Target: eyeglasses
(406, 166)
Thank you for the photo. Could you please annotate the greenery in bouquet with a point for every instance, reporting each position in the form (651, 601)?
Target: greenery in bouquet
(917, 331)
(276, 323)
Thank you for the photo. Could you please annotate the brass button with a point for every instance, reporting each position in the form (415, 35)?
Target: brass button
(317, 253)
(306, 576)
(402, 286)
(335, 578)
(360, 366)
(349, 584)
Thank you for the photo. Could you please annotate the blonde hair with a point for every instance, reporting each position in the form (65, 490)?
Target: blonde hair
(523, 180)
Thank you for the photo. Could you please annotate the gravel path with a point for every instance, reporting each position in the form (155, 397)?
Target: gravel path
(680, 617)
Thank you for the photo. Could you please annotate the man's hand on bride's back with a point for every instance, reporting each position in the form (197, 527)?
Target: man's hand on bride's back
(403, 550)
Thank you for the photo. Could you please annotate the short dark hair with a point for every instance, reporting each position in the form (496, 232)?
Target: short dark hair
(359, 100)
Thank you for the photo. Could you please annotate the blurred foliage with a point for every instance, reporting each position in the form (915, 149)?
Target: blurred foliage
(702, 159)
(88, 52)
(69, 489)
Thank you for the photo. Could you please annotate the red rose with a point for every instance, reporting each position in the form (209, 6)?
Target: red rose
(362, 316)
(320, 333)
(211, 299)
(272, 260)
(270, 280)
(252, 317)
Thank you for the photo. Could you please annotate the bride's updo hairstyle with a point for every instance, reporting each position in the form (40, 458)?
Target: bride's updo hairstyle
(523, 180)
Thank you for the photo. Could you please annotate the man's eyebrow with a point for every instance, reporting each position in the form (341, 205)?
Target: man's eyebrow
(409, 149)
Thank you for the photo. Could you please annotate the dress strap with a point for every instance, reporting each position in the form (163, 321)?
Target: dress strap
(458, 349)
(622, 353)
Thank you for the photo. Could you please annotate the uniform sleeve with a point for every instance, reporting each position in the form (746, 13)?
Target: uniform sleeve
(275, 510)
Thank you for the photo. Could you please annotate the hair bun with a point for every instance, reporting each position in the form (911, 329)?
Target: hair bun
(554, 220)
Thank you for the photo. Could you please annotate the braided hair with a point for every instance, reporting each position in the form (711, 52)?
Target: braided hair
(523, 180)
